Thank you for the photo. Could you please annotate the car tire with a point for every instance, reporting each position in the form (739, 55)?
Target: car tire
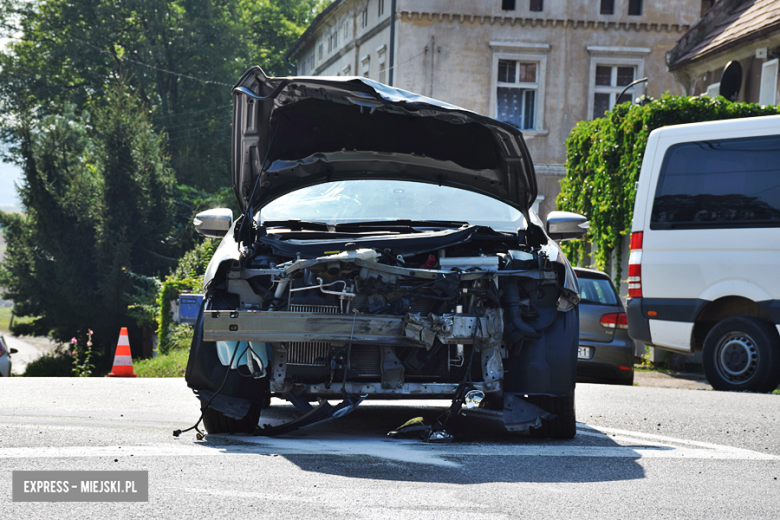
(564, 425)
(629, 381)
(742, 354)
(216, 422)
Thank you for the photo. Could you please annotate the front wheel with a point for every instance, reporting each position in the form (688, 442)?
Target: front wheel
(564, 425)
(742, 354)
(216, 422)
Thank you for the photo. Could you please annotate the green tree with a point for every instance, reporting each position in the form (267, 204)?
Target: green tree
(273, 26)
(181, 58)
(98, 204)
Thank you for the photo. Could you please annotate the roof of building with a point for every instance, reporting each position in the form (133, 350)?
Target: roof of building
(724, 26)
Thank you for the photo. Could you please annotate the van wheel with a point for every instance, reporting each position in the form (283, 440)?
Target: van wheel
(217, 422)
(742, 354)
(564, 425)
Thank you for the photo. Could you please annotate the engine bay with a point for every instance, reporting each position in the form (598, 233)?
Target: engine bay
(409, 320)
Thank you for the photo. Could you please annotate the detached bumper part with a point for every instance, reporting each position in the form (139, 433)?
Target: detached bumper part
(312, 415)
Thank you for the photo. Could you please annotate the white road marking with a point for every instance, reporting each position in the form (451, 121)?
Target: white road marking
(631, 445)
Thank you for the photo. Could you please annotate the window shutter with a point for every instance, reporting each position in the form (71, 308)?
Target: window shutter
(768, 92)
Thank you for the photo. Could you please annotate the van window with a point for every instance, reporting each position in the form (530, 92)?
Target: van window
(719, 184)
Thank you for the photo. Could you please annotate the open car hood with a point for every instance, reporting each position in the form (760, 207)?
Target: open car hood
(300, 131)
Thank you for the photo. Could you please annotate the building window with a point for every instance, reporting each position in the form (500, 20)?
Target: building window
(321, 51)
(346, 31)
(364, 18)
(302, 68)
(311, 63)
(346, 71)
(537, 5)
(330, 43)
(335, 39)
(634, 7)
(517, 88)
(610, 82)
(366, 65)
(508, 5)
(607, 7)
(381, 7)
(768, 92)
(381, 54)
(516, 93)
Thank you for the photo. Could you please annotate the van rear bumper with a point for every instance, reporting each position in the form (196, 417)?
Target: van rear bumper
(638, 324)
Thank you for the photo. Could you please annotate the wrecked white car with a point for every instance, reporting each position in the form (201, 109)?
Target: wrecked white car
(387, 249)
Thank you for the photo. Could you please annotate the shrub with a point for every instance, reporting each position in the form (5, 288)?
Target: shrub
(57, 364)
(603, 159)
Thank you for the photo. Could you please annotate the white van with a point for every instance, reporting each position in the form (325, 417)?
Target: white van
(704, 269)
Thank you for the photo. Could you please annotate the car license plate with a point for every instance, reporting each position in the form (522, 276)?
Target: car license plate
(584, 352)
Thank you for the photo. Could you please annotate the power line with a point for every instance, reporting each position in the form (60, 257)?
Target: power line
(131, 60)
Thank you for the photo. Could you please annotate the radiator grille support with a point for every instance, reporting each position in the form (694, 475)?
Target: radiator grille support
(310, 353)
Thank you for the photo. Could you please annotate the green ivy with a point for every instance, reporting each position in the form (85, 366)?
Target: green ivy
(603, 159)
(170, 291)
(188, 276)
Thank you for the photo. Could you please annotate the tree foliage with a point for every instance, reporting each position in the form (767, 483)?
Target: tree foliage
(98, 205)
(180, 57)
(603, 159)
(104, 219)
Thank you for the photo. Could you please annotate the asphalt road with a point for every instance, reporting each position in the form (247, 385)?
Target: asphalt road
(639, 453)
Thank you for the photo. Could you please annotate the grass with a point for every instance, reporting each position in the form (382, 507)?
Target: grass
(172, 364)
(689, 369)
(5, 319)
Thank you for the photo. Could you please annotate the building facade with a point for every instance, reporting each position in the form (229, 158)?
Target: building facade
(540, 65)
(743, 31)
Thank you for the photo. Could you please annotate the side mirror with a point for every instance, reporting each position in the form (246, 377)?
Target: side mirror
(564, 225)
(14, 351)
(214, 222)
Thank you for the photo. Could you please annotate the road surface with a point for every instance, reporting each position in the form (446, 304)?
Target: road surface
(639, 453)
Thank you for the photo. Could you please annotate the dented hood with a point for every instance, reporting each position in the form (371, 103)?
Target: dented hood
(300, 131)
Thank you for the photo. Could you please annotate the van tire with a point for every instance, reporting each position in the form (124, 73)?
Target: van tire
(564, 425)
(216, 422)
(742, 354)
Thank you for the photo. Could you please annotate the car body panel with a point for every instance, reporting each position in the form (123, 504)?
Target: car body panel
(293, 132)
(5, 358)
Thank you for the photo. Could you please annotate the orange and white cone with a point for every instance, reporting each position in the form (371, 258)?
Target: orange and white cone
(123, 361)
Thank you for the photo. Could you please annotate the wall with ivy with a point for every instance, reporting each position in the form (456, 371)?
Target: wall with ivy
(603, 159)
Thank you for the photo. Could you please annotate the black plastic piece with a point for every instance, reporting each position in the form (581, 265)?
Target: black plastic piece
(638, 324)
(547, 365)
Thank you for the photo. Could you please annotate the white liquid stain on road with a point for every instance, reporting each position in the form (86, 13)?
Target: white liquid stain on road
(631, 445)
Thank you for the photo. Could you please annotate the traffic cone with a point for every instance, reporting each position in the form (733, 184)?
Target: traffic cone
(123, 360)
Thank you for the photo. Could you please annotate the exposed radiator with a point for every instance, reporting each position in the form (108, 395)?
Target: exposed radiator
(366, 359)
(313, 353)
(310, 353)
(319, 309)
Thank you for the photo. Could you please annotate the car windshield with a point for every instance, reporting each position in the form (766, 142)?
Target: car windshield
(597, 291)
(380, 200)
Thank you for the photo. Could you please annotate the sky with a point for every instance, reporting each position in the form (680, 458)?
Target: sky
(9, 200)
(9, 173)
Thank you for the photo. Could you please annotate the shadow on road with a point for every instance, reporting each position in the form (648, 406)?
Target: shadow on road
(357, 446)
